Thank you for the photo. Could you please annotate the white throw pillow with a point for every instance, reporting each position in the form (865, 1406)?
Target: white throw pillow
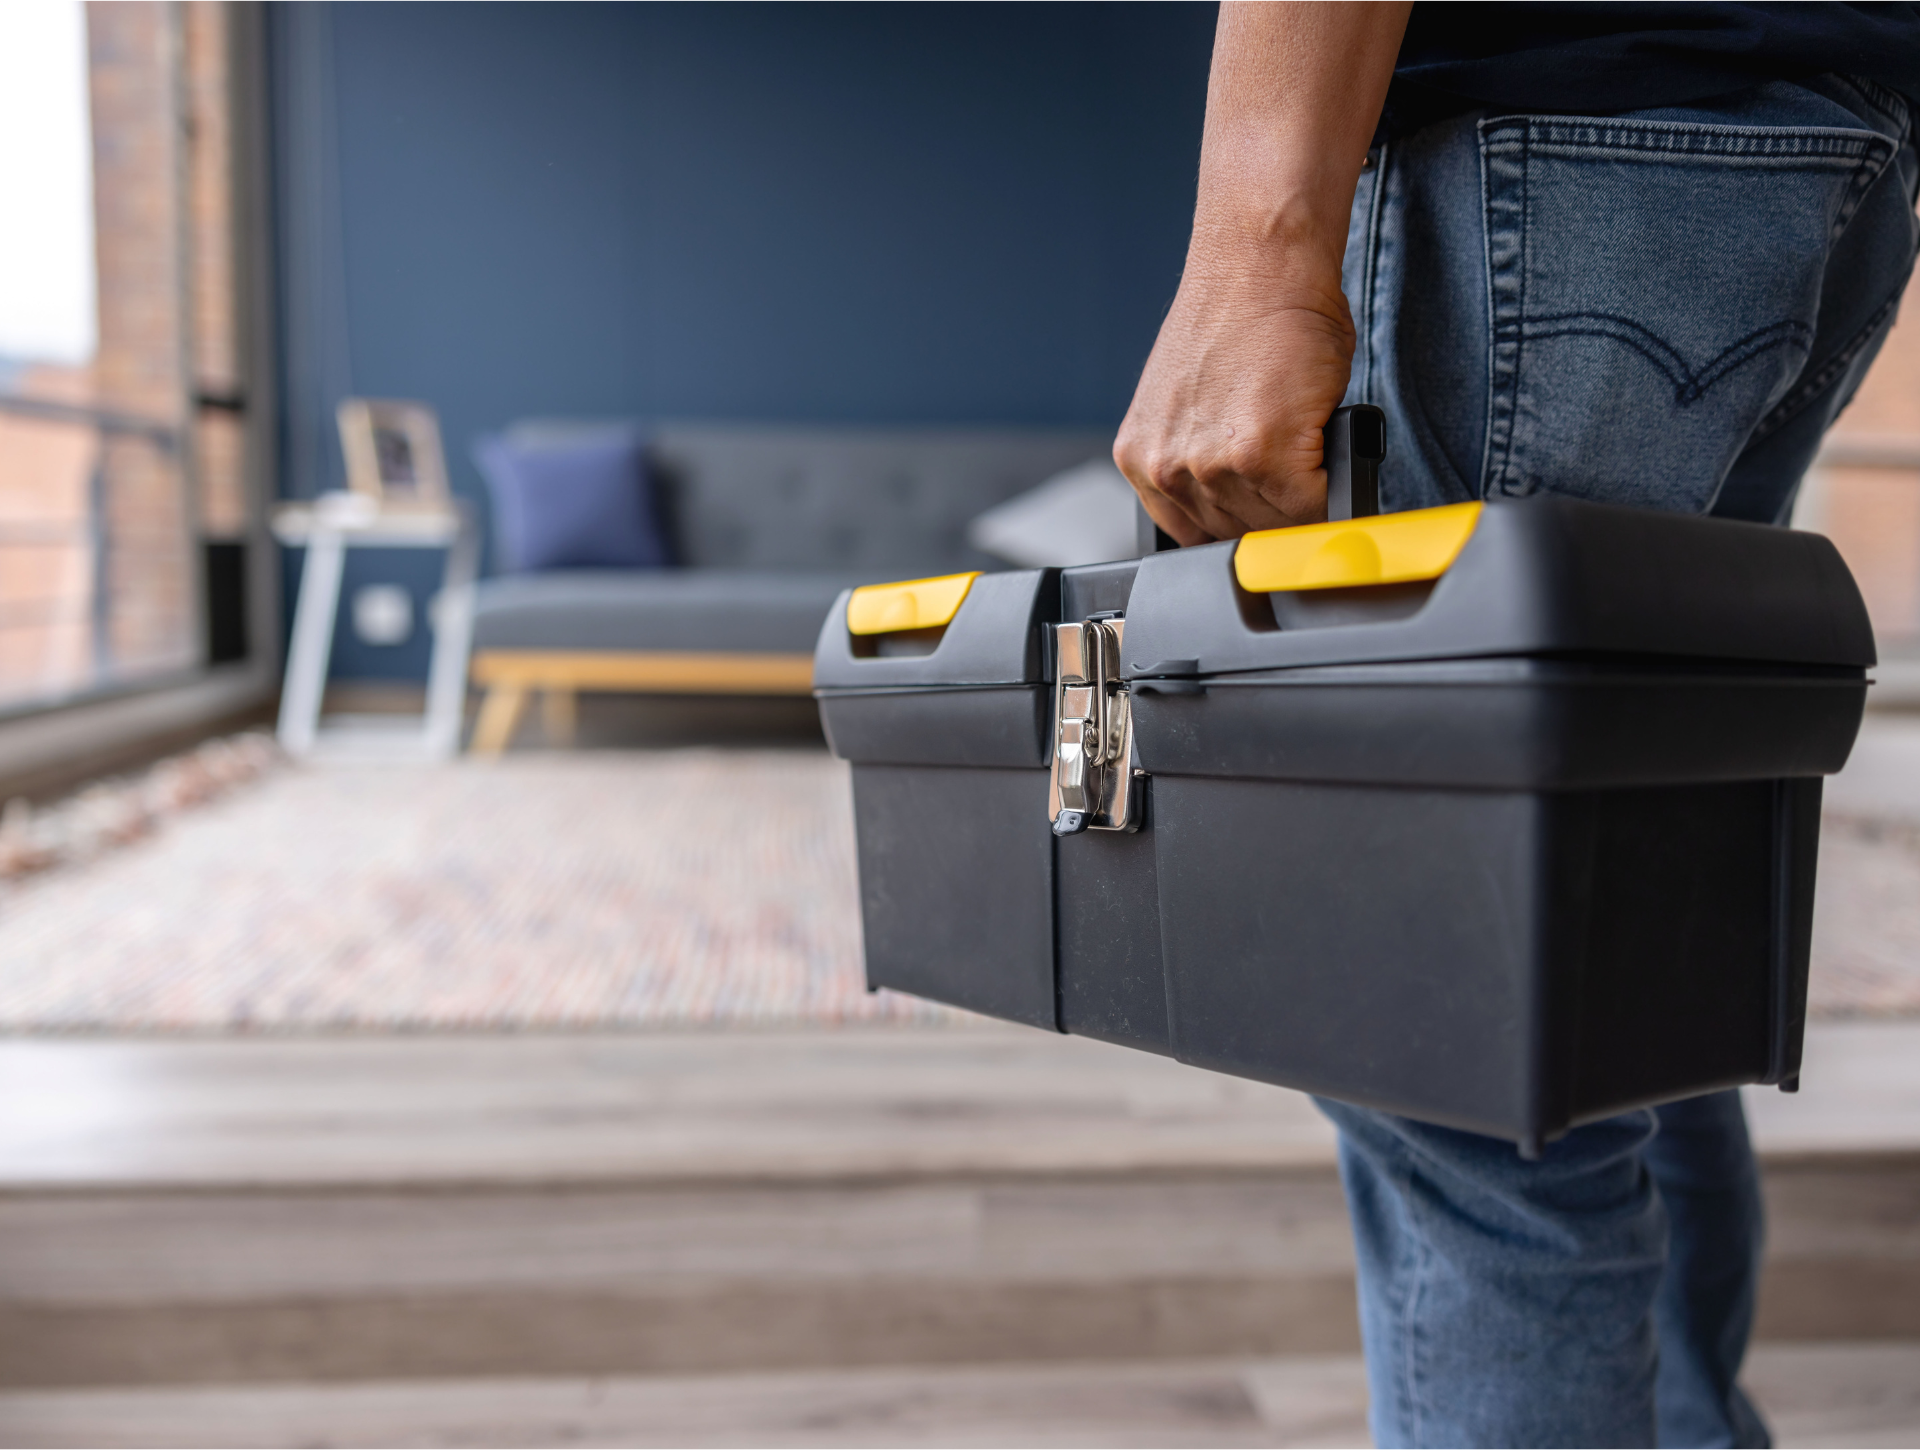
(1082, 516)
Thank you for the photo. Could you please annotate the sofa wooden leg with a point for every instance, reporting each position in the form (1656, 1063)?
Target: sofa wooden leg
(499, 716)
(559, 714)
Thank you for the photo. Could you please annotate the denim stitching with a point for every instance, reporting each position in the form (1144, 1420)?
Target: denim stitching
(1883, 102)
(1506, 300)
(1872, 166)
(1489, 442)
(1689, 387)
(1665, 139)
(1870, 170)
(1814, 386)
(1422, 1265)
(1837, 160)
(1858, 186)
(1520, 315)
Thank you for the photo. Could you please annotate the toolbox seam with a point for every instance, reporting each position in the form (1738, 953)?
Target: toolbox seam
(1717, 668)
(941, 687)
(1614, 682)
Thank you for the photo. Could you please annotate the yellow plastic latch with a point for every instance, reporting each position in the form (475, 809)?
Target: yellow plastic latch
(1384, 549)
(910, 604)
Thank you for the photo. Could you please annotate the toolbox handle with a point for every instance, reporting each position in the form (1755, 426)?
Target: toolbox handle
(1355, 443)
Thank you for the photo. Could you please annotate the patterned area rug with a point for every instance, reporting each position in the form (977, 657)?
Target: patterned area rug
(599, 889)
(1866, 919)
(549, 890)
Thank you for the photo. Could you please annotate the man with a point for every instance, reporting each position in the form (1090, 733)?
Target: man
(1637, 253)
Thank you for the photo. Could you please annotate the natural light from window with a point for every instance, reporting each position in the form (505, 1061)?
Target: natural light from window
(47, 310)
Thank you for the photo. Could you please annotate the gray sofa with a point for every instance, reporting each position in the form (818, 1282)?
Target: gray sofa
(769, 525)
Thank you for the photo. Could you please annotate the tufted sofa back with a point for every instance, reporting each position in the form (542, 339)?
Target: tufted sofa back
(741, 496)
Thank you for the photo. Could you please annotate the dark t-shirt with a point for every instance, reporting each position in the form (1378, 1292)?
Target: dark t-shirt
(1595, 59)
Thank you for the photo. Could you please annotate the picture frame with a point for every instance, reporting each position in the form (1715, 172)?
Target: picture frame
(393, 453)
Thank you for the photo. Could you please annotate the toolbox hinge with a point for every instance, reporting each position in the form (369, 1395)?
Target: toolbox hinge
(1094, 785)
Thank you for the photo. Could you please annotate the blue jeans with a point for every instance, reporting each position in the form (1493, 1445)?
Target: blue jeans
(1664, 309)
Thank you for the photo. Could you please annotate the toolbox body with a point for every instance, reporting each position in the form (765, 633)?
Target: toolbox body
(1502, 816)
(967, 896)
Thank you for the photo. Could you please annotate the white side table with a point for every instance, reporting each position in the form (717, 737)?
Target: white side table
(330, 526)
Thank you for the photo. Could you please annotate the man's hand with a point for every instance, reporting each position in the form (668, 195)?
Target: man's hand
(1224, 432)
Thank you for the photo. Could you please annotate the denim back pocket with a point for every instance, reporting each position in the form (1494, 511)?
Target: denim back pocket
(1653, 292)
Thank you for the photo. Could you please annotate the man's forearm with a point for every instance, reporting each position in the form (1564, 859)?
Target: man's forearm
(1224, 432)
(1292, 104)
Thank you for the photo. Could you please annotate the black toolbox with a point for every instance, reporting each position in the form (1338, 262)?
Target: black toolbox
(1502, 816)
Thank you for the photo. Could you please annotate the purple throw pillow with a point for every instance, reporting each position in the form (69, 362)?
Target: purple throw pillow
(582, 504)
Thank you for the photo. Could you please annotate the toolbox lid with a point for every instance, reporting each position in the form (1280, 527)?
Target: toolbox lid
(1539, 575)
(960, 629)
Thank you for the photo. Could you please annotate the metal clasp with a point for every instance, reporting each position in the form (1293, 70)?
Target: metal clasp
(1092, 786)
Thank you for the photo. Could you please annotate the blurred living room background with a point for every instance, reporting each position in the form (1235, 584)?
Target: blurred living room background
(431, 1006)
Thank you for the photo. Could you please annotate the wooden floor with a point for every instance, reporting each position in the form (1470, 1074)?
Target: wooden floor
(1842, 1394)
(871, 1236)
(827, 1105)
(824, 1105)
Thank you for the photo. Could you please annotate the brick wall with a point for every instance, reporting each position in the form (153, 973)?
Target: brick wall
(152, 563)
(218, 436)
(1873, 514)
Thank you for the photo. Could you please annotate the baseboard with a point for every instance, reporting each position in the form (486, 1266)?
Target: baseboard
(48, 753)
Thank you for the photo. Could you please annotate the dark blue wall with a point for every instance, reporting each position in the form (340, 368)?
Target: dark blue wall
(869, 213)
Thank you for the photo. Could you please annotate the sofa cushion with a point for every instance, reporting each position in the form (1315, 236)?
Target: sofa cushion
(893, 501)
(573, 502)
(1086, 515)
(669, 609)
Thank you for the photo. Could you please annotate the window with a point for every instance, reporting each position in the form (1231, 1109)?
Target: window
(124, 497)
